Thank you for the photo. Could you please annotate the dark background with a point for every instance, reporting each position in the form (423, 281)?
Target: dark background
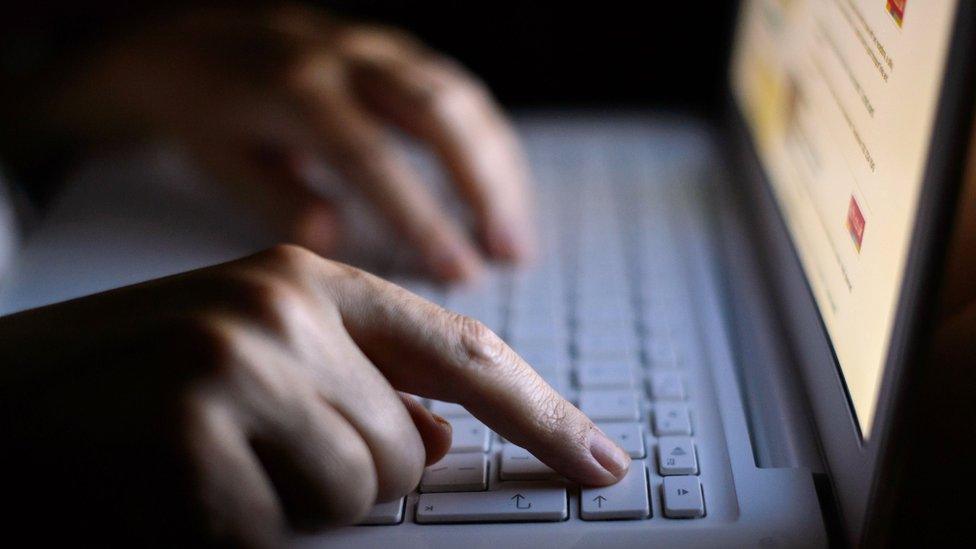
(669, 53)
(604, 55)
(609, 53)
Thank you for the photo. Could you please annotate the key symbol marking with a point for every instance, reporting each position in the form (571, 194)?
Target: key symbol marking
(518, 502)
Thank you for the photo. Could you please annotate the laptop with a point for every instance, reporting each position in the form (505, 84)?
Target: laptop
(736, 302)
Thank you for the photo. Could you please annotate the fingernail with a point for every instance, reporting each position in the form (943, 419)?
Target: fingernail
(446, 425)
(608, 454)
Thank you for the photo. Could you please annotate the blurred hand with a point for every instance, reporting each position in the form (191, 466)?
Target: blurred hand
(237, 403)
(264, 98)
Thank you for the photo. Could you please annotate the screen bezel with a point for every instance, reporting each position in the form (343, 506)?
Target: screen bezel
(853, 460)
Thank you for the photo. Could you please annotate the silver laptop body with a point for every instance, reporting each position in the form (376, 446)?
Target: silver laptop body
(668, 303)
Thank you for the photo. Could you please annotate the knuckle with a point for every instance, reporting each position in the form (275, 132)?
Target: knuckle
(451, 99)
(272, 301)
(357, 154)
(290, 258)
(478, 345)
(312, 71)
(371, 39)
(213, 342)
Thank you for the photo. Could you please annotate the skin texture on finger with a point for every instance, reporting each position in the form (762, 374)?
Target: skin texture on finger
(361, 150)
(438, 102)
(426, 350)
(435, 430)
(351, 384)
(305, 354)
(320, 466)
(238, 504)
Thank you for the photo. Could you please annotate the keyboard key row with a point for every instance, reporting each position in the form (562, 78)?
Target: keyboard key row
(682, 497)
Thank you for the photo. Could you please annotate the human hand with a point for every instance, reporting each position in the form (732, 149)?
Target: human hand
(265, 99)
(237, 403)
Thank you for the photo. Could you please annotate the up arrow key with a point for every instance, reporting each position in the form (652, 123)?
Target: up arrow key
(627, 499)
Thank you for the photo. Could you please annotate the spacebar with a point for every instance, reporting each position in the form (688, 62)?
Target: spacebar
(515, 502)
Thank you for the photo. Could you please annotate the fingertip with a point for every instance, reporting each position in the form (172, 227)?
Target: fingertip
(435, 431)
(613, 460)
(439, 446)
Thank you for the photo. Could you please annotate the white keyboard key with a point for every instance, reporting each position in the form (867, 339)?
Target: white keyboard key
(671, 419)
(628, 435)
(683, 497)
(596, 343)
(469, 435)
(448, 409)
(560, 382)
(539, 325)
(456, 473)
(676, 456)
(627, 499)
(661, 354)
(512, 502)
(666, 386)
(605, 375)
(603, 312)
(592, 327)
(609, 404)
(656, 326)
(390, 512)
(518, 464)
(545, 359)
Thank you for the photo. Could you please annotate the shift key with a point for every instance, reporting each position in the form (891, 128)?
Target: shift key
(511, 502)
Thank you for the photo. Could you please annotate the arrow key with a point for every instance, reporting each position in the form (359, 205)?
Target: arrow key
(626, 499)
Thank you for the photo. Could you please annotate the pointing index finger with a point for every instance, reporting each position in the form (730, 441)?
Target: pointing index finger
(429, 351)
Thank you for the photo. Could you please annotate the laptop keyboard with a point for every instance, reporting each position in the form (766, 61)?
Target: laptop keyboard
(594, 317)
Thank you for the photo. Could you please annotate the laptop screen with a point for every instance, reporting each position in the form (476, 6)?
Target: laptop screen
(840, 97)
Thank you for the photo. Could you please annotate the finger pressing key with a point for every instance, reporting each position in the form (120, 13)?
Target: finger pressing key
(428, 351)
